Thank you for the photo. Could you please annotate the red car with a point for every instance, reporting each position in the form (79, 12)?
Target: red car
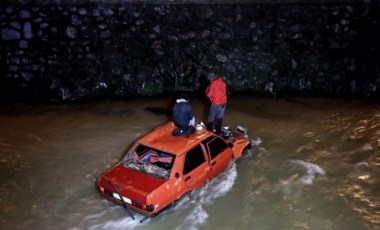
(161, 168)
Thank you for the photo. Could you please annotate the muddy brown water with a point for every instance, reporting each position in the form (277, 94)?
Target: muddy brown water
(317, 166)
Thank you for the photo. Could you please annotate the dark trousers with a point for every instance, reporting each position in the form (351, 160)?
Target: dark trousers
(216, 112)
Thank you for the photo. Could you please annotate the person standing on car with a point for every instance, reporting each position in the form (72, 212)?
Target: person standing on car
(183, 114)
(216, 91)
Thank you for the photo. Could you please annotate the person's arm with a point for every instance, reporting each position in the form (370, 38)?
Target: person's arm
(210, 90)
(207, 90)
(189, 112)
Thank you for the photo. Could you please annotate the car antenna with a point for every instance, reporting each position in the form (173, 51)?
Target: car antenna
(121, 198)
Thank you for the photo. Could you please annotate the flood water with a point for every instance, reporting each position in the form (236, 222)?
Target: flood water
(317, 166)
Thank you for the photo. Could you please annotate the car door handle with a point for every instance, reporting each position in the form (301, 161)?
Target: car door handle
(213, 163)
(187, 178)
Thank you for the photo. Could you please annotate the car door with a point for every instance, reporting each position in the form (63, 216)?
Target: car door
(219, 153)
(196, 169)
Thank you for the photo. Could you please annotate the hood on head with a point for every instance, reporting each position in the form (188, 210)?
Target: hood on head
(211, 76)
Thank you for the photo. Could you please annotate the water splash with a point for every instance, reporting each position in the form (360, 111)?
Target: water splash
(256, 142)
(123, 223)
(207, 195)
(364, 148)
(196, 217)
(218, 186)
(308, 172)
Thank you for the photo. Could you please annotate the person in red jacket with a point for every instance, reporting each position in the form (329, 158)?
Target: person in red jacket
(217, 93)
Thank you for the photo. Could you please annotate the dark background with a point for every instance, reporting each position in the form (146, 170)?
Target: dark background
(54, 51)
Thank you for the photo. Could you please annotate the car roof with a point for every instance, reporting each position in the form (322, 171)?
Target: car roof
(161, 138)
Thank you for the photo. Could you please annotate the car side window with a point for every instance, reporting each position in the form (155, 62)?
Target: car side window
(216, 146)
(193, 159)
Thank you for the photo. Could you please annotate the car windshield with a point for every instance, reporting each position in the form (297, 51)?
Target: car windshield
(149, 160)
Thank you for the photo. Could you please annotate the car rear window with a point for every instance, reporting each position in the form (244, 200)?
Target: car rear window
(149, 160)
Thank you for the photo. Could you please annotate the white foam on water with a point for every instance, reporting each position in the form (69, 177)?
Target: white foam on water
(308, 169)
(305, 174)
(196, 217)
(95, 216)
(364, 148)
(122, 223)
(256, 142)
(218, 186)
(126, 222)
(207, 195)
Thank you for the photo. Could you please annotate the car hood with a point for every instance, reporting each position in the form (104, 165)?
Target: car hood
(131, 183)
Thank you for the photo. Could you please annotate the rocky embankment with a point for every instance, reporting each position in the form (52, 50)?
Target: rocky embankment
(61, 51)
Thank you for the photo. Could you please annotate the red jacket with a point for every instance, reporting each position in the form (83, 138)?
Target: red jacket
(217, 91)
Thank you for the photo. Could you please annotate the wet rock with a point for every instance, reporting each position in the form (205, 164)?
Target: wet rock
(221, 57)
(16, 25)
(105, 34)
(23, 44)
(361, 166)
(75, 20)
(71, 32)
(28, 33)
(25, 14)
(9, 34)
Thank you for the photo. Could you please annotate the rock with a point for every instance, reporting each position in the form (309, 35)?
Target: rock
(361, 166)
(9, 34)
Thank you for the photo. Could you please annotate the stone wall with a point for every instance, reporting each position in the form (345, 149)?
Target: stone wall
(58, 51)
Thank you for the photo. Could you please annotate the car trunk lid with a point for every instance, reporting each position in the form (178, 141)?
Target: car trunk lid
(132, 184)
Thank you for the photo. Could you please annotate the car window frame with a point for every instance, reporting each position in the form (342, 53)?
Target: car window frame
(210, 149)
(198, 164)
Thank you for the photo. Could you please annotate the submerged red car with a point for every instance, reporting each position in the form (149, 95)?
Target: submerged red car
(160, 168)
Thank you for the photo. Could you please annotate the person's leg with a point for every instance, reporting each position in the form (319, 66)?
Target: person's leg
(219, 117)
(218, 127)
(211, 117)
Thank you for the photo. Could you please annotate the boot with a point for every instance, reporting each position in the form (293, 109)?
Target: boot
(219, 126)
(210, 126)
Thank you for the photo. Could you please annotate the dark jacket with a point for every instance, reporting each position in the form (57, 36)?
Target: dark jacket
(182, 113)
